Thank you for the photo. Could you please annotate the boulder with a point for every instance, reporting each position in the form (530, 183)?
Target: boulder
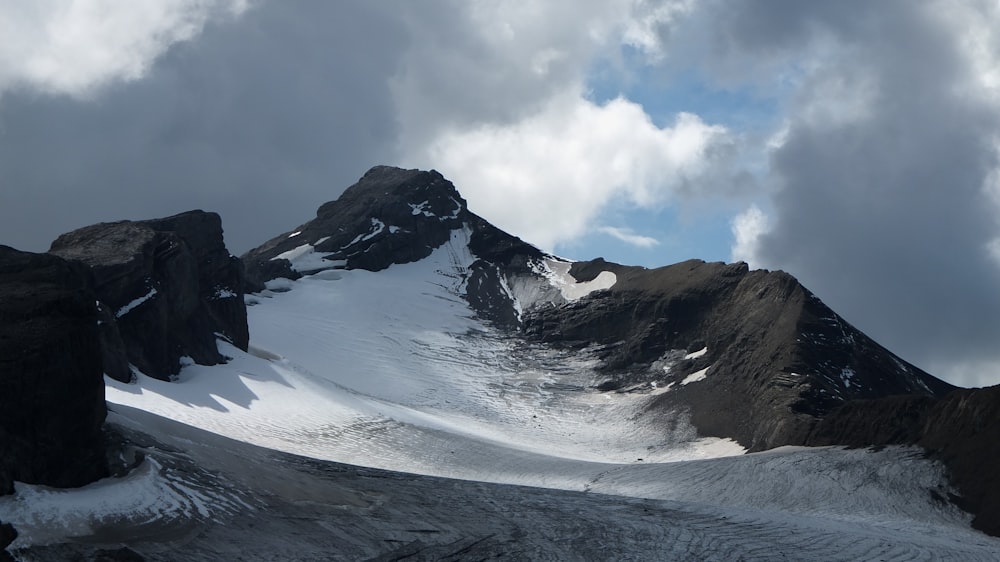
(170, 287)
(51, 385)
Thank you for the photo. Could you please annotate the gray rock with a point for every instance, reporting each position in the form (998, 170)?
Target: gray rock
(170, 286)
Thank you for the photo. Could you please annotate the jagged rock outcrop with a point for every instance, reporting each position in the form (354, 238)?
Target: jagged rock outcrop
(752, 355)
(962, 430)
(167, 287)
(51, 385)
(395, 216)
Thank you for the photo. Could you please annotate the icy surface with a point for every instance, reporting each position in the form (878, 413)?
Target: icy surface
(149, 495)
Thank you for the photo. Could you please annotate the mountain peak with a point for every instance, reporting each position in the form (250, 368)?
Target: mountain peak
(385, 189)
(391, 215)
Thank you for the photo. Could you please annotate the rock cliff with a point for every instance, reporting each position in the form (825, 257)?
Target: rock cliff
(51, 384)
(167, 287)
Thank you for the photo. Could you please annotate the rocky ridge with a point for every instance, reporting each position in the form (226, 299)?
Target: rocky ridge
(400, 216)
(961, 429)
(769, 358)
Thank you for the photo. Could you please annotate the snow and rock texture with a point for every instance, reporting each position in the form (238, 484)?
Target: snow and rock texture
(200, 496)
(167, 288)
(752, 354)
(399, 331)
(962, 430)
(774, 357)
(51, 387)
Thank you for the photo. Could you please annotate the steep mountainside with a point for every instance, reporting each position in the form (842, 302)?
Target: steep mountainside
(768, 357)
(752, 356)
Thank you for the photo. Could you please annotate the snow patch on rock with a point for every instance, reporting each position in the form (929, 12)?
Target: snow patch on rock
(557, 273)
(135, 303)
(696, 376)
(696, 354)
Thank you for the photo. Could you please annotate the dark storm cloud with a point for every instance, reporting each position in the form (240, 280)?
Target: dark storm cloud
(880, 207)
(260, 119)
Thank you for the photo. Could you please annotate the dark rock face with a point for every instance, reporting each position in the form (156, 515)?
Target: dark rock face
(51, 385)
(390, 216)
(169, 285)
(395, 216)
(962, 430)
(7, 536)
(777, 357)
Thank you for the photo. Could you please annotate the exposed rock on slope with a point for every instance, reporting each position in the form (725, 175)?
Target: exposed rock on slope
(962, 430)
(169, 285)
(51, 387)
(753, 355)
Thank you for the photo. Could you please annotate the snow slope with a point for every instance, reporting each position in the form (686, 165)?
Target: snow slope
(392, 370)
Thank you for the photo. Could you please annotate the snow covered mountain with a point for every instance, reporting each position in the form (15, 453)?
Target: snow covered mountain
(398, 342)
(750, 356)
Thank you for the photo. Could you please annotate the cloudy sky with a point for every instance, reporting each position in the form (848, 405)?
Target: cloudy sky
(855, 144)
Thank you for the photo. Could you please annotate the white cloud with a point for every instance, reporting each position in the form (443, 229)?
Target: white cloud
(76, 46)
(477, 62)
(547, 176)
(966, 373)
(650, 21)
(626, 235)
(747, 228)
